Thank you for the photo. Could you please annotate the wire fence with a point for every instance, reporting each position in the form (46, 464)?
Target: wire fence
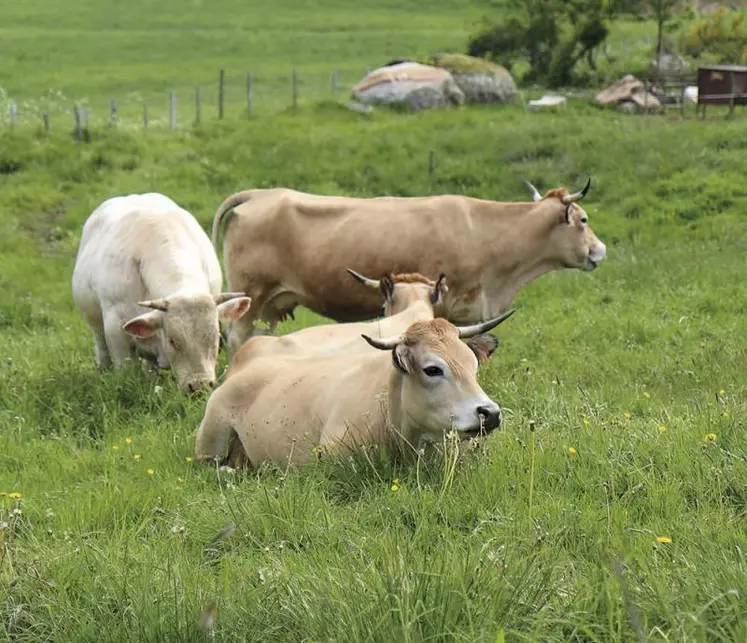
(231, 96)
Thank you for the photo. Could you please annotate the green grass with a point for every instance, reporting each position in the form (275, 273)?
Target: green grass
(517, 538)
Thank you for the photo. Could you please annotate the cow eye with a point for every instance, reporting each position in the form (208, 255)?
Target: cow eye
(174, 344)
(584, 219)
(433, 371)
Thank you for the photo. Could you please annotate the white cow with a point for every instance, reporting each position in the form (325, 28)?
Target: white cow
(144, 251)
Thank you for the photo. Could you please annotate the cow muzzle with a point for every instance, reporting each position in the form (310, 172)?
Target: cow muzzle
(489, 418)
(597, 255)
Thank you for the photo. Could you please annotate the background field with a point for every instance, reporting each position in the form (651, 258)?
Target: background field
(624, 389)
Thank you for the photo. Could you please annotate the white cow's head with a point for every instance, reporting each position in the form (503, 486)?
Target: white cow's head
(187, 327)
(402, 290)
(439, 388)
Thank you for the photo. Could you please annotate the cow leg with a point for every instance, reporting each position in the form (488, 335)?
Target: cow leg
(214, 434)
(119, 345)
(103, 359)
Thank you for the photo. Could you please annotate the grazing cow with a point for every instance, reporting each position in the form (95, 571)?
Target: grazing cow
(407, 298)
(144, 251)
(286, 248)
(278, 408)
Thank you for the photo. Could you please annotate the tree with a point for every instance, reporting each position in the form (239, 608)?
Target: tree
(662, 11)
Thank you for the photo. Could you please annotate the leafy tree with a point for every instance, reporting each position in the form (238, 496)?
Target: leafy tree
(662, 11)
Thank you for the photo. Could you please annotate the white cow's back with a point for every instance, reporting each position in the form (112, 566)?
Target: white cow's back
(143, 246)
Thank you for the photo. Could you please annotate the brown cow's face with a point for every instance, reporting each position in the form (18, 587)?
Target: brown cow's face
(575, 244)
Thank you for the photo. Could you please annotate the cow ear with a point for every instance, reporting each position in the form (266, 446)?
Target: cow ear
(144, 326)
(483, 346)
(233, 308)
(386, 285)
(439, 290)
(568, 213)
(402, 358)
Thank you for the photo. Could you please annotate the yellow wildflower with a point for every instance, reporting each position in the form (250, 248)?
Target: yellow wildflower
(14, 495)
(663, 540)
(151, 472)
(128, 440)
(709, 437)
(662, 428)
(395, 484)
(722, 392)
(627, 415)
(572, 450)
(188, 459)
(647, 395)
(137, 456)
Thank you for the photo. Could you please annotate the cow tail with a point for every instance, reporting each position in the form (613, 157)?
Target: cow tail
(227, 205)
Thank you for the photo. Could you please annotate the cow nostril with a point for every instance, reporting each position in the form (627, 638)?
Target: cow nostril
(211, 384)
(490, 417)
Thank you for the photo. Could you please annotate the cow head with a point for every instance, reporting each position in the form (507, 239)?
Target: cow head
(573, 243)
(438, 374)
(402, 290)
(187, 328)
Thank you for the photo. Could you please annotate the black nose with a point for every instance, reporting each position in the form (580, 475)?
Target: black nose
(191, 387)
(490, 417)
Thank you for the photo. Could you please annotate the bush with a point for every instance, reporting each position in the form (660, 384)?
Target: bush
(723, 37)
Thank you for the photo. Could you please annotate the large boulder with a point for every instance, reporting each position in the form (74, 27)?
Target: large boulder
(480, 80)
(409, 84)
(628, 94)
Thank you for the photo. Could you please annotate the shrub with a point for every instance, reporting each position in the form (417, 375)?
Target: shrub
(723, 36)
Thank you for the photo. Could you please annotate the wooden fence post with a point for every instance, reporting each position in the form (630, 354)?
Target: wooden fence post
(294, 87)
(112, 113)
(249, 96)
(172, 110)
(221, 90)
(198, 105)
(78, 124)
(145, 116)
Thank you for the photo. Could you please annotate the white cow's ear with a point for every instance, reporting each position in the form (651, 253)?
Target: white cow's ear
(439, 290)
(233, 308)
(144, 326)
(402, 358)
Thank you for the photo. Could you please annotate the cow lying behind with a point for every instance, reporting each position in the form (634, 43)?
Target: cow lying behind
(407, 298)
(286, 248)
(144, 251)
(424, 384)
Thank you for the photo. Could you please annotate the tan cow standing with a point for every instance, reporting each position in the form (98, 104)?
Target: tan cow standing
(286, 248)
(420, 385)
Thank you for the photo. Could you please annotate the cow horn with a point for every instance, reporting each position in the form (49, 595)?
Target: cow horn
(156, 304)
(535, 193)
(223, 297)
(484, 327)
(384, 344)
(371, 283)
(577, 196)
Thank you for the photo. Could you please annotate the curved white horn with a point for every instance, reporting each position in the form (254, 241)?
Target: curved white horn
(577, 196)
(371, 283)
(156, 304)
(535, 194)
(384, 344)
(484, 327)
(226, 296)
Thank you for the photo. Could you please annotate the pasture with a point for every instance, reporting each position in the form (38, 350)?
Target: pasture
(610, 507)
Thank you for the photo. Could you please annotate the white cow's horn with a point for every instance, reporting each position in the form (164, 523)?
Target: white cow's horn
(371, 283)
(577, 196)
(223, 297)
(385, 343)
(484, 327)
(156, 304)
(535, 193)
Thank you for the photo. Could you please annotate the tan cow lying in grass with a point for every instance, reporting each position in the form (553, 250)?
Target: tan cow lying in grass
(419, 385)
(286, 248)
(407, 298)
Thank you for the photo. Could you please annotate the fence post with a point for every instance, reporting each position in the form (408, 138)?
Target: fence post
(78, 125)
(333, 82)
(294, 87)
(221, 89)
(198, 105)
(172, 110)
(249, 96)
(12, 112)
(45, 119)
(145, 116)
(112, 113)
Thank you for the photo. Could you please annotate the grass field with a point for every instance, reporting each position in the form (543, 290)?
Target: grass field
(611, 507)
(637, 367)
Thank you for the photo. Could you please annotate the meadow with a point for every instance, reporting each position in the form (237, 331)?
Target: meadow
(610, 507)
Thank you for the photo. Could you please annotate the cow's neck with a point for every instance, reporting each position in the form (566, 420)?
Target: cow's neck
(399, 426)
(525, 257)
